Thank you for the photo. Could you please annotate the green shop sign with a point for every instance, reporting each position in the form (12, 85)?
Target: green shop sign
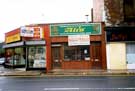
(75, 29)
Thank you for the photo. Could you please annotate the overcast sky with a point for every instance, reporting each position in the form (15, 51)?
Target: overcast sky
(16, 13)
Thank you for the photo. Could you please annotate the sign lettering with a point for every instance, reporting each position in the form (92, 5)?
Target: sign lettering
(12, 38)
(75, 29)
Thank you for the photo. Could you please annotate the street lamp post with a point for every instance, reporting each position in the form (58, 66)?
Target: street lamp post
(87, 18)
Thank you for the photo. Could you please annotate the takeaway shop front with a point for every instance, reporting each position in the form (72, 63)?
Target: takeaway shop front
(77, 46)
(25, 47)
(120, 47)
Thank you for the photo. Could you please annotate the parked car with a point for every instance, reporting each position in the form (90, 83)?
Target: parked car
(2, 60)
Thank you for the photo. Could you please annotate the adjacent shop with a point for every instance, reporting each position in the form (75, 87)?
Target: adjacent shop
(120, 47)
(77, 46)
(25, 47)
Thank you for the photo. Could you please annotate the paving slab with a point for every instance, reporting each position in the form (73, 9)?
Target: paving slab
(59, 72)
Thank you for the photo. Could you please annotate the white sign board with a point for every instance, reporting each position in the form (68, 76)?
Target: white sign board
(39, 63)
(27, 31)
(74, 40)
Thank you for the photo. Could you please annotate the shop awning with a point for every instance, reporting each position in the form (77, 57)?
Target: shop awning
(38, 42)
(14, 44)
(22, 43)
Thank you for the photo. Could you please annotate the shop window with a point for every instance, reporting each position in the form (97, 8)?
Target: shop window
(9, 57)
(76, 53)
(15, 57)
(19, 58)
(130, 52)
(36, 57)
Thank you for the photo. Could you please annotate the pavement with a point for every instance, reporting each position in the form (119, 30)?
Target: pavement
(60, 72)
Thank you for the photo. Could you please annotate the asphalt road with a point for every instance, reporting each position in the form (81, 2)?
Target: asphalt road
(94, 83)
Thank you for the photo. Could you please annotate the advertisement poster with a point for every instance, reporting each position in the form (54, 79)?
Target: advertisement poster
(74, 40)
(27, 31)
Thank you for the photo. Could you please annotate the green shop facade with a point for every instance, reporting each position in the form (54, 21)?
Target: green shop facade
(76, 46)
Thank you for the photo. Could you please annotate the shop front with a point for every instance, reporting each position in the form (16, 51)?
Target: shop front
(77, 46)
(14, 55)
(25, 47)
(120, 47)
(27, 54)
(36, 55)
(77, 57)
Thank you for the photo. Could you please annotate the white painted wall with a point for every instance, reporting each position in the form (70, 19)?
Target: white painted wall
(116, 56)
(108, 55)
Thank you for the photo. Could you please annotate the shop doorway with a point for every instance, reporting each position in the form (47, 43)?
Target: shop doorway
(96, 56)
(130, 55)
(56, 57)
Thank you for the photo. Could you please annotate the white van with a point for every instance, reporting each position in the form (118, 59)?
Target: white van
(2, 60)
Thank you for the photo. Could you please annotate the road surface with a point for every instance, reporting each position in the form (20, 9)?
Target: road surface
(95, 83)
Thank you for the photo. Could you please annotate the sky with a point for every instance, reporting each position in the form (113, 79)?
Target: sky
(17, 13)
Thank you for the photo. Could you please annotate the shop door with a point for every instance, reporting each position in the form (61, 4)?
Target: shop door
(96, 56)
(56, 58)
(130, 55)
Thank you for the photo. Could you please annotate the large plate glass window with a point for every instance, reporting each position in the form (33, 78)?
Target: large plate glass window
(19, 56)
(36, 57)
(77, 53)
(9, 56)
(130, 52)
